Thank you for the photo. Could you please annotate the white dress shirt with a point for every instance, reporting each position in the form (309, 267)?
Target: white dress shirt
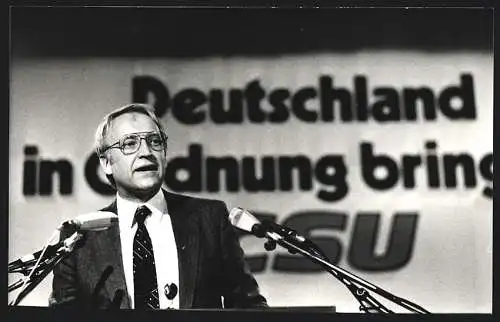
(159, 227)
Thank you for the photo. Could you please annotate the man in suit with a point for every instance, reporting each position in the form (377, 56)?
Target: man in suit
(165, 250)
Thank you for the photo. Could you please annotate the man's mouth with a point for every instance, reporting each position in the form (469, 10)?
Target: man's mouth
(148, 167)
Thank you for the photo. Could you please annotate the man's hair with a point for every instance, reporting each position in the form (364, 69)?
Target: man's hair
(104, 126)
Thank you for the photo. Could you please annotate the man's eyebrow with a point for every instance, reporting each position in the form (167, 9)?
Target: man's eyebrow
(143, 132)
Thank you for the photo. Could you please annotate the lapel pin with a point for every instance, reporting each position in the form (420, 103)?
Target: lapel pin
(170, 291)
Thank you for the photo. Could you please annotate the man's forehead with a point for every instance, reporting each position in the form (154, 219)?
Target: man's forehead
(131, 123)
(131, 116)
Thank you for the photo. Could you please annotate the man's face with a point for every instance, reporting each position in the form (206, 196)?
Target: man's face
(140, 174)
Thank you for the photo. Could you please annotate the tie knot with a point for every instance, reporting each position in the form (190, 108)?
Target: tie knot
(141, 214)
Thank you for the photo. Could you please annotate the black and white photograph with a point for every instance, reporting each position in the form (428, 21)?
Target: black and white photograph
(334, 160)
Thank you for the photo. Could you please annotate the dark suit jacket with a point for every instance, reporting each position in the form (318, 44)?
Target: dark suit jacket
(211, 263)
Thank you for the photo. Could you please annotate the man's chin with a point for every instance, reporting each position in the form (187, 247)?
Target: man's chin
(146, 188)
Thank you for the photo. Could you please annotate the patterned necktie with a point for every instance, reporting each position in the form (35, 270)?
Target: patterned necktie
(145, 283)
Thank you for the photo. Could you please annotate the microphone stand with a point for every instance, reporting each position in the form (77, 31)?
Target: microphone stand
(43, 269)
(356, 285)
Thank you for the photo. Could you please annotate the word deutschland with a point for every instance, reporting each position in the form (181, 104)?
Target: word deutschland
(325, 102)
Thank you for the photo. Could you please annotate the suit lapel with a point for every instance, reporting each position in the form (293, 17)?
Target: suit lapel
(109, 246)
(186, 232)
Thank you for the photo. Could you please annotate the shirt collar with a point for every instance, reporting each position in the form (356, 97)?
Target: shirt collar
(126, 208)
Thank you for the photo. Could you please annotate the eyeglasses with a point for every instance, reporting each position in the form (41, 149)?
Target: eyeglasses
(131, 143)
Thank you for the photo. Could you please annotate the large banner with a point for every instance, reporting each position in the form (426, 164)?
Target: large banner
(383, 158)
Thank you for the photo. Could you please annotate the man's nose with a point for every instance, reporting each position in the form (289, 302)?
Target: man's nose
(144, 148)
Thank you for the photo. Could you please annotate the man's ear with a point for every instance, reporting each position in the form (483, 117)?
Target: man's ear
(105, 165)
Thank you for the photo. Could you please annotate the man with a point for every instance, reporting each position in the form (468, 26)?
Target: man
(166, 250)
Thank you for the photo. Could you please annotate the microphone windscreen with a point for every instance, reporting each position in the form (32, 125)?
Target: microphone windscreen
(242, 219)
(98, 220)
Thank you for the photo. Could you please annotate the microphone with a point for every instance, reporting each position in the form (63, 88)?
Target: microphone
(117, 299)
(100, 284)
(94, 221)
(31, 259)
(244, 220)
(23, 264)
